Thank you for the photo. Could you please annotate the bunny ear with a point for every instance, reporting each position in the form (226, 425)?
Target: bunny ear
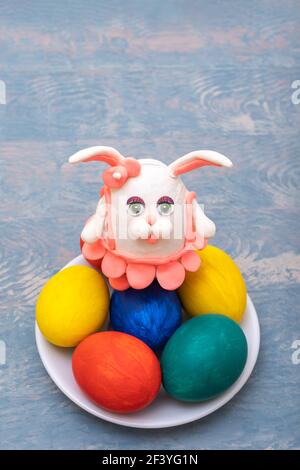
(115, 177)
(193, 160)
(98, 153)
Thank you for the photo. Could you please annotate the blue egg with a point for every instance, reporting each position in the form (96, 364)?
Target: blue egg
(151, 314)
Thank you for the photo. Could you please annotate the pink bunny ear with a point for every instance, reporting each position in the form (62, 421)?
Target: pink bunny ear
(124, 168)
(193, 160)
(98, 153)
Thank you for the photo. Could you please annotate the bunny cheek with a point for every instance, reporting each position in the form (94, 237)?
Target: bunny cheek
(139, 229)
(162, 229)
(149, 241)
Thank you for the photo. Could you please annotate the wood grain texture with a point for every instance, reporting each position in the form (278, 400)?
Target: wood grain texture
(152, 79)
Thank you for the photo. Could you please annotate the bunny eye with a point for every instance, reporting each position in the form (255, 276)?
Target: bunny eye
(135, 206)
(165, 205)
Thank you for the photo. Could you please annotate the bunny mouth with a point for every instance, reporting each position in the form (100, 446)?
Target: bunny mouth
(152, 239)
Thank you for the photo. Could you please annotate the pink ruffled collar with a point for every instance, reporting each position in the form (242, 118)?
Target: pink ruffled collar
(123, 273)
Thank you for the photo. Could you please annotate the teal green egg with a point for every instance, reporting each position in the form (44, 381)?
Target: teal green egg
(203, 358)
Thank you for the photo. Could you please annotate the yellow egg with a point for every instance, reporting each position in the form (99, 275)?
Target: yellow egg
(217, 286)
(73, 304)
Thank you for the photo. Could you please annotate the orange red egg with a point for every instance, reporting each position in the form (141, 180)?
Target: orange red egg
(117, 371)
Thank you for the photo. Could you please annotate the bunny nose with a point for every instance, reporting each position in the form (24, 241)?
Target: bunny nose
(151, 219)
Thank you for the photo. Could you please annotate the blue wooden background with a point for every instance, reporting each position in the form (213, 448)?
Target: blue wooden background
(152, 79)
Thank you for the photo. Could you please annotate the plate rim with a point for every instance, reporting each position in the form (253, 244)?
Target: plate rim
(223, 398)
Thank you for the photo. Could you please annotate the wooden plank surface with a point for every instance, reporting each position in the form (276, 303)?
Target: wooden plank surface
(153, 79)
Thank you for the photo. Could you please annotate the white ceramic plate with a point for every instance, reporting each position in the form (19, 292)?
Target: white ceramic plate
(164, 411)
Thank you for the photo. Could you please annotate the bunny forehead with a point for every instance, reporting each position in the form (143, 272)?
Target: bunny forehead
(125, 170)
(153, 182)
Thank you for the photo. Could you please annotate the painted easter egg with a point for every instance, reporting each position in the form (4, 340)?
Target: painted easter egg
(217, 286)
(151, 314)
(117, 371)
(203, 358)
(72, 304)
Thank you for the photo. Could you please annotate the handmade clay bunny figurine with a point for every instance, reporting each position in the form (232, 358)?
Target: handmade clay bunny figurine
(147, 225)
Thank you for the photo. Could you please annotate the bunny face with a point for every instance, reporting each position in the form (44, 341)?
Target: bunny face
(146, 213)
(147, 225)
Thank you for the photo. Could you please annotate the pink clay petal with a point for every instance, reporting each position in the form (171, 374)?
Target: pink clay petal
(133, 166)
(93, 251)
(112, 265)
(109, 179)
(119, 283)
(191, 261)
(171, 275)
(140, 275)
